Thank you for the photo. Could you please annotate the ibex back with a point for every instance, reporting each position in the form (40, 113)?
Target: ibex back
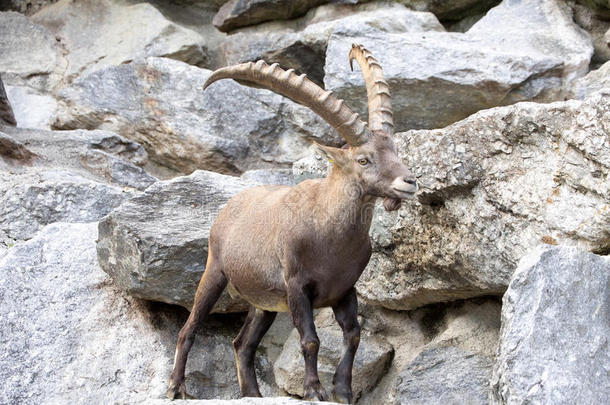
(298, 248)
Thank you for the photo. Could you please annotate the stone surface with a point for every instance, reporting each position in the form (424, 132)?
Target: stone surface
(240, 13)
(72, 337)
(445, 375)
(7, 116)
(159, 103)
(371, 362)
(519, 51)
(597, 28)
(492, 187)
(597, 80)
(32, 109)
(242, 401)
(155, 245)
(96, 155)
(554, 337)
(430, 343)
(31, 199)
(94, 33)
(301, 45)
(26, 7)
(30, 54)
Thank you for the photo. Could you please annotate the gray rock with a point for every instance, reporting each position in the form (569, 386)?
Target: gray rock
(71, 337)
(6, 111)
(447, 375)
(32, 109)
(155, 245)
(94, 33)
(159, 103)
(301, 45)
(97, 155)
(14, 152)
(600, 7)
(30, 54)
(492, 187)
(597, 28)
(240, 13)
(242, 401)
(269, 176)
(427, 342)
(37, 197)
(554, 337)
(371, 362)
(597, 80)
(518, 51)
(451, 10)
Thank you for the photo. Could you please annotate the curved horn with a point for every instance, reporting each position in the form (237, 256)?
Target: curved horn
(303, 91)
(377, 89)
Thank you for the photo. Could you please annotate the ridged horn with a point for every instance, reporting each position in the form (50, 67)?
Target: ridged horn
(377, 89)
(303, 91)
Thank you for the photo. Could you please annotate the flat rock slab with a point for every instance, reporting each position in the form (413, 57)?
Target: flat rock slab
(155, 245)
(555, 330)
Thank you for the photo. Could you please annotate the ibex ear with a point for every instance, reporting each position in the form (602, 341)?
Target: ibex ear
(334, 155)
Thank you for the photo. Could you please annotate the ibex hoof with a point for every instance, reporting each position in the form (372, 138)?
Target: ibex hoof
(341, 396)
(315, 392)
(177, 391)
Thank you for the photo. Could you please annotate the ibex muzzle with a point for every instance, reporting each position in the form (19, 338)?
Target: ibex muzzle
(312, 240)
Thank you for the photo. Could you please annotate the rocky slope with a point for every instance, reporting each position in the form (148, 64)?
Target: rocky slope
(489, 287)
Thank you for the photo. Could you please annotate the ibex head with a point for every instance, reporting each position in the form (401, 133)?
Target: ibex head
(370, 158)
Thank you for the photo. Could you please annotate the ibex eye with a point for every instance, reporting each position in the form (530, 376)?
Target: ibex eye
(363, 161)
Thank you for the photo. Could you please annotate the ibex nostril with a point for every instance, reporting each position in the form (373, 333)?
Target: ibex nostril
(410, 181)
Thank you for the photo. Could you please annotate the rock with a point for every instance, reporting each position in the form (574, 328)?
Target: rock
(97, 155)
(159, 103)
(430, 343)
(437, 78)
(32, 109)
(31, 199)
(492, 187)
(30, 54)
(451, 10)
(371, 362)
(6, 111)
(14, 152)
(242, 401)
(240, 13)
(600, 7)
(597, 80)
(26, 7)
(269, 176)
(554, 337)
(94, 34)
(71, 337)
(445, 375)
(301, 45)
(597, 28)
(155, 245)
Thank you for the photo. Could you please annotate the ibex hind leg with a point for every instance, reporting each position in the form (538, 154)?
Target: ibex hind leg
(210, 287)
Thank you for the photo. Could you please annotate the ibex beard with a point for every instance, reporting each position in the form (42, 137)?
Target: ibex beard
(298, 248)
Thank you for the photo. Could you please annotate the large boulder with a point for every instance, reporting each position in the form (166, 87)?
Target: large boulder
(554, 337)
(97, 34)
(301, 45)
(155, 245)
(528, 50)
(493, 186)
(71, 337)
(240, 13)
(159, 103)
(598, 28)
(32, 108)
(451, 10)
(371, 362)
(30, 54)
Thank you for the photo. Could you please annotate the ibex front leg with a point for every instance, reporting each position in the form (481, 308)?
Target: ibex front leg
(302, 317)
(346, 314)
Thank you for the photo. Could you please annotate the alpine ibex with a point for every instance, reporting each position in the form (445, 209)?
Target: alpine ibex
(297, 248)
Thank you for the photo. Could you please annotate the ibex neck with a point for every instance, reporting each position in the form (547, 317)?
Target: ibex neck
(345, 202)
